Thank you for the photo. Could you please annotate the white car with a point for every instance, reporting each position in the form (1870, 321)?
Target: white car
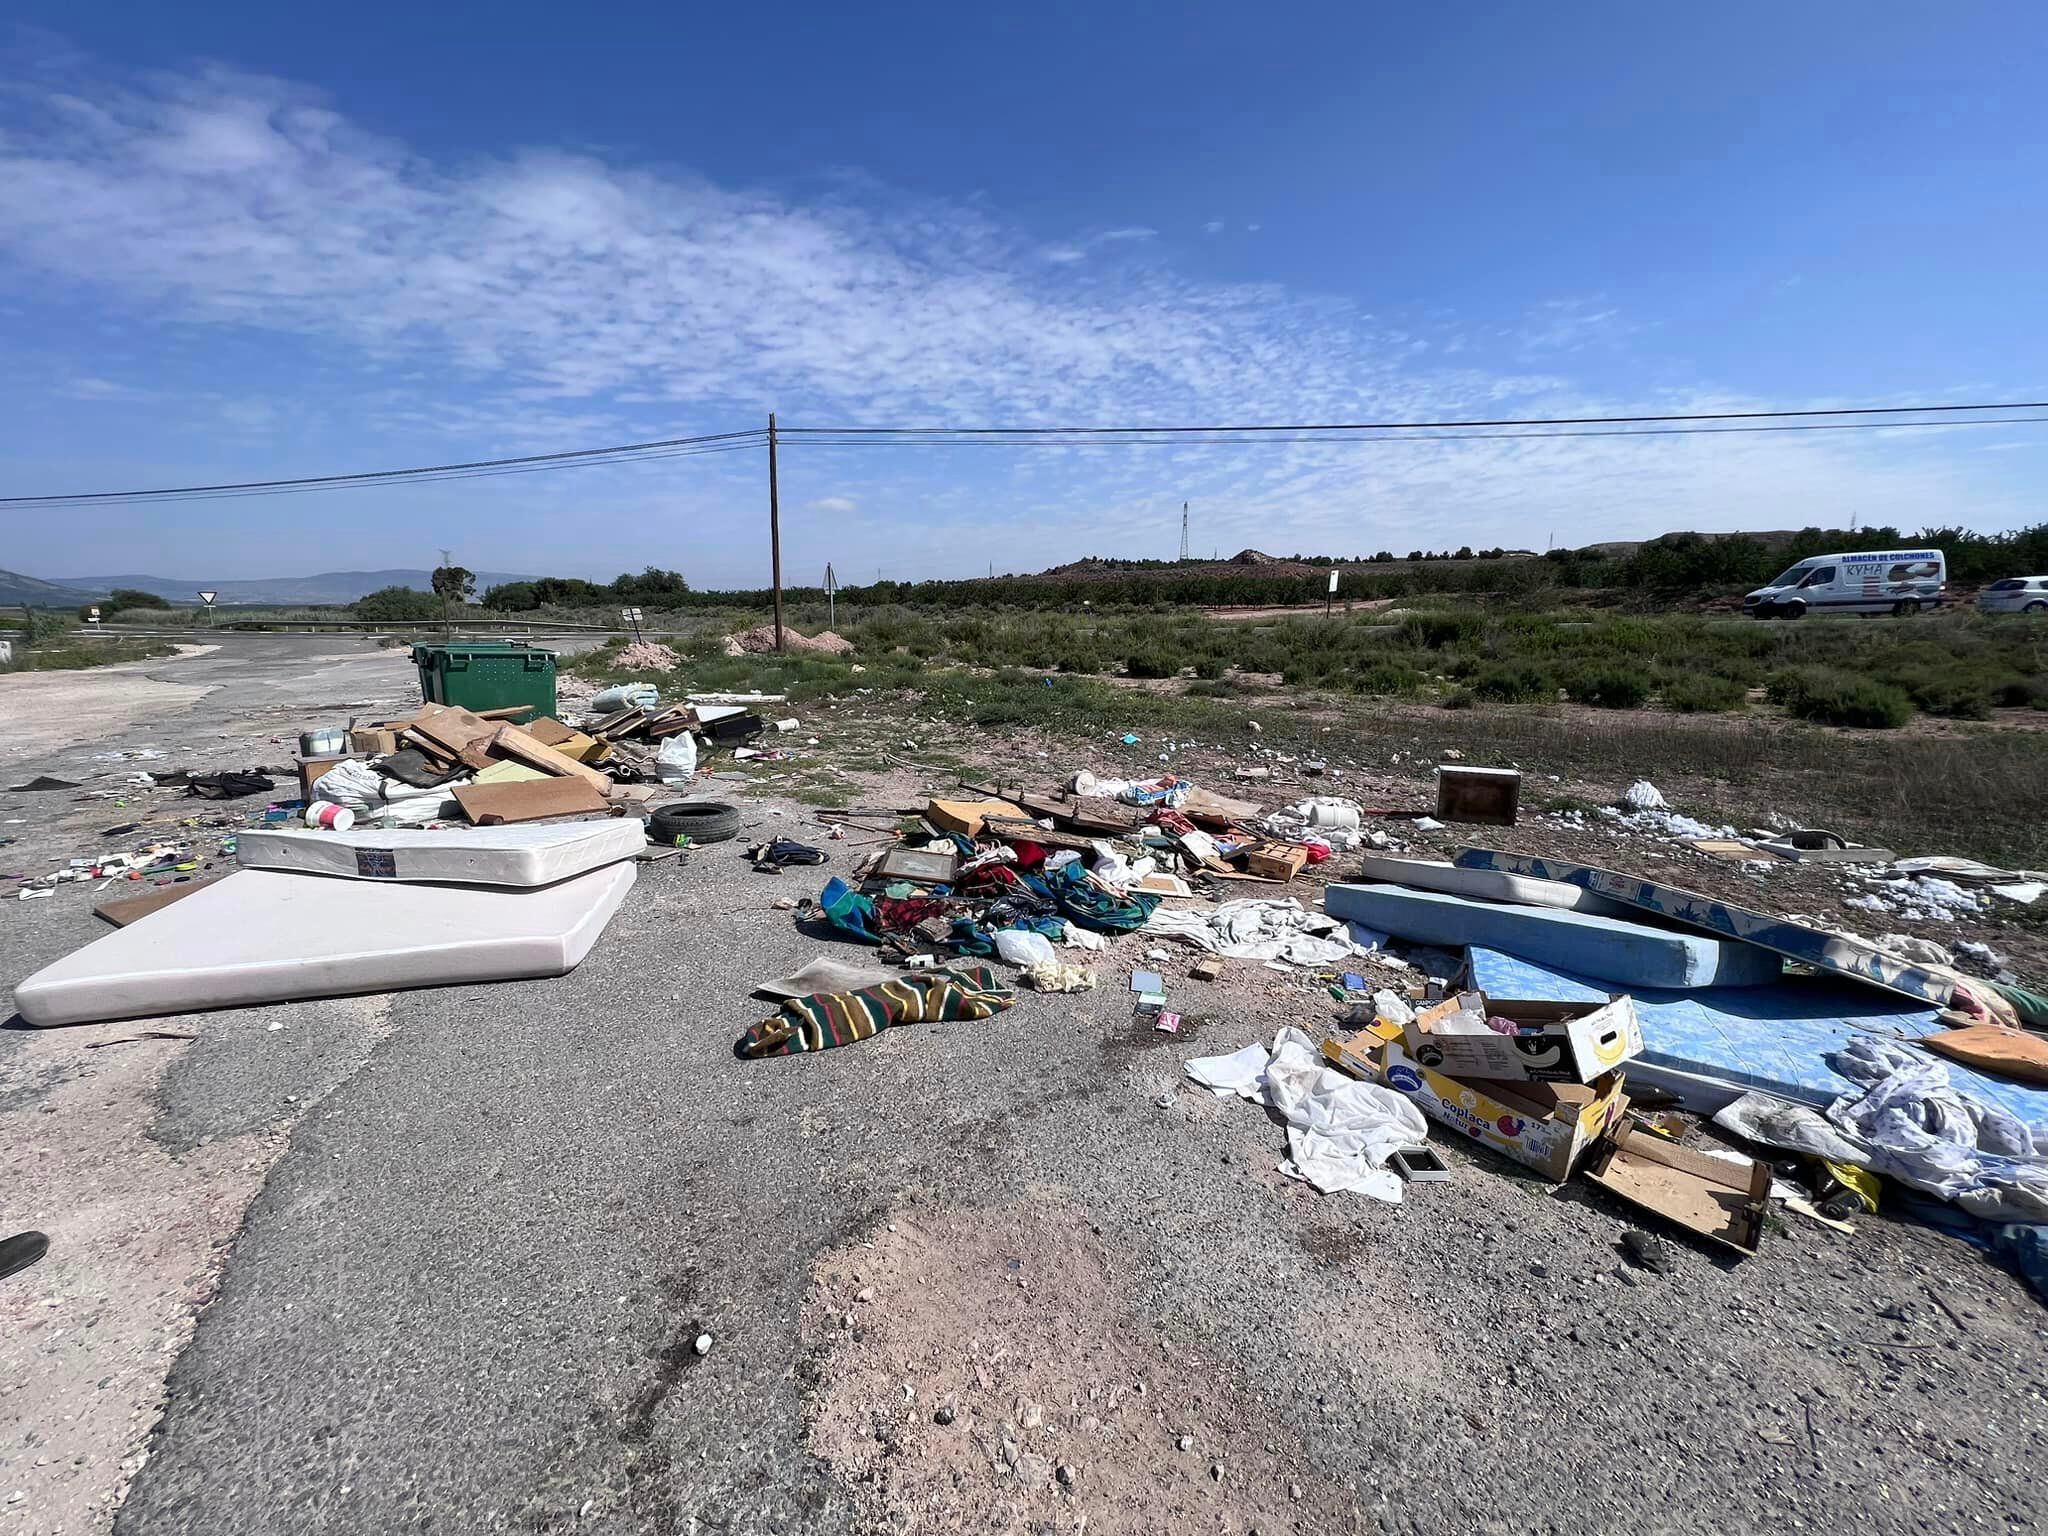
(2015, 594)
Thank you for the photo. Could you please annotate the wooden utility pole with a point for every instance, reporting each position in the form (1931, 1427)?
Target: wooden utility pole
(775, 531)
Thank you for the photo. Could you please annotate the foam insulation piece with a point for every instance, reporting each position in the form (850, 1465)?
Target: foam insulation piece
(1487, 885)
(1627, 954)
(263, 936)
(514, 855)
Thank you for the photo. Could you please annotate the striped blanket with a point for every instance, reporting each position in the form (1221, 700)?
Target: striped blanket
(840, 1018)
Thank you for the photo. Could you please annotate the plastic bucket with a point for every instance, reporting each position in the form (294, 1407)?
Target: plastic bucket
(330, 817)
(329, 741)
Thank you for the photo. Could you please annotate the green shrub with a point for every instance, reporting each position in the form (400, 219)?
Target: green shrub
(1513, 683)
(1702, 693)
(1828, 697)
(1609, 687)
(1156, 662)
(1437, 630)
(397, 605)
(1212, 688)
(1954, 693)
(1384, 677)
(1209, 668)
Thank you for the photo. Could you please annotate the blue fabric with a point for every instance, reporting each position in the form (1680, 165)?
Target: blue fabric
(1627, 954)
(1776, 1039)
(849, 911)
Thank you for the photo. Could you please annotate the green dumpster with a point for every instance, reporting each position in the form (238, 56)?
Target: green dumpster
(486, 674)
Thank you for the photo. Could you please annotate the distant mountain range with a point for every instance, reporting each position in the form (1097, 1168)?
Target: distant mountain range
(328, 587)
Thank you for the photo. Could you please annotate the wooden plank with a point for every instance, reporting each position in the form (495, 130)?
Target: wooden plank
(1021, 829)
(548, 731)
(511, 741)
(529, 800)
(1216, 810)
(123, 910)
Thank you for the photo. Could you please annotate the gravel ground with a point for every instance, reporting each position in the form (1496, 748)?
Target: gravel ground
(498, 1219)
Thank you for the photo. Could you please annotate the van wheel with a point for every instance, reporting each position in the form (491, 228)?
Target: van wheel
(1906, 607)
(1792, 611)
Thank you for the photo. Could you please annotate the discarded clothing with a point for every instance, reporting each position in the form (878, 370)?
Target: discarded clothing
(410, 766)
(1930, 1137)
(774, 857)
(839, 1018)
(1340, 1131)
(1256, 929)
(849, 911)
(1093, 907)
(228, 786)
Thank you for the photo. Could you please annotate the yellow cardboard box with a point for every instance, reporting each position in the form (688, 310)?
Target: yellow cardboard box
(1546, 1125)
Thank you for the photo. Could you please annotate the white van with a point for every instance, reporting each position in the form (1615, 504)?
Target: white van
(1900, 581)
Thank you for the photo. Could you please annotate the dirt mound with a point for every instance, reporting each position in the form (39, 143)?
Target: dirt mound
(761, 642)
(647, 656)
(969, 1356)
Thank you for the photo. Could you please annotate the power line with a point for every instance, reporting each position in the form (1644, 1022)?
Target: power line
(1406, 437)
(1396, 426)
(1068, 437)
(378, 476)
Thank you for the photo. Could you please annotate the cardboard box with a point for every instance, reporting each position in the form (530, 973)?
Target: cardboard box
(1572, 1042)
(1545, 1125)
(1276, 861)
(373, 743)
(966, 816)
(1489, 795)
(1722, 1201)
(528, 800)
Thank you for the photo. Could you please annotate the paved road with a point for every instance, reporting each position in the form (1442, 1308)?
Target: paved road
(465, 1298)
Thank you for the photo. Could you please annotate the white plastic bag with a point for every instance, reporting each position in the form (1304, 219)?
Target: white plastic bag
(676, 762)
(626, 696)
(1020, 946)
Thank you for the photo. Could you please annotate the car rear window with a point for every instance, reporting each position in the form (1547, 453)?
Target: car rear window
(2010, 584)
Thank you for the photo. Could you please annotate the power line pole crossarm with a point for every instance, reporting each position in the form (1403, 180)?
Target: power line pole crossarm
(775, 532)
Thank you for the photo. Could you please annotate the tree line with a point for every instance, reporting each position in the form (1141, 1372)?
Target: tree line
(1677, 564)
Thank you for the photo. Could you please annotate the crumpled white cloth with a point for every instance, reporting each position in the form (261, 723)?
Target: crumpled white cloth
(1340, 1131)
(353, 783)
(1255, 929)
(1928, 1135)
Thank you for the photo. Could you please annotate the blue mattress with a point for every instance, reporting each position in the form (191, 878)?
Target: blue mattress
(1608, 948)
(1775, 1039)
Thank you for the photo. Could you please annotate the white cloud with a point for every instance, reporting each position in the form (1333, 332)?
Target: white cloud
(1213, 227)
(548, 299)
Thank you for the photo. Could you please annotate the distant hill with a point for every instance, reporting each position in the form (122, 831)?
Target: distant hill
(308, 591)
(16, 588)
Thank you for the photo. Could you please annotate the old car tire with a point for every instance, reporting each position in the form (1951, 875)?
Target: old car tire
(701, 821)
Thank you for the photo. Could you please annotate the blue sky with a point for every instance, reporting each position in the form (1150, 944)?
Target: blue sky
(239, 241)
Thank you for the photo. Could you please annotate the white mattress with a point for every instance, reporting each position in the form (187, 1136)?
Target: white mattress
(260, 936)
(525, 856)
(1489, 885)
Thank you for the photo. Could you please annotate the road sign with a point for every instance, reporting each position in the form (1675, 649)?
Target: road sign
(633, 618)
(208, 597)
(1333, 583)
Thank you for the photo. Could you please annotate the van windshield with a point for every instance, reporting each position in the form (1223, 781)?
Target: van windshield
(1788, 577)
